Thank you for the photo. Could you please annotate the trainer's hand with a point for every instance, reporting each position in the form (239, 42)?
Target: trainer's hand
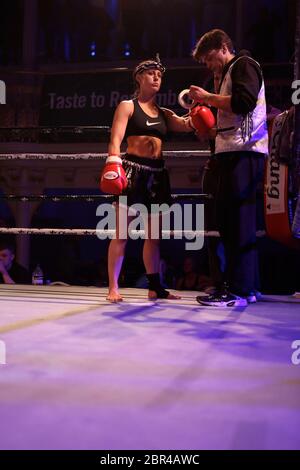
(198, 94)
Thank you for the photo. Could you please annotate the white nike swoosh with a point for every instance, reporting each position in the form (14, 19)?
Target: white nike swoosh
(152, 123)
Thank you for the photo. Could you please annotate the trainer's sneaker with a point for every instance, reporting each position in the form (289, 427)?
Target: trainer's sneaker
(254, 296)
(222, 300)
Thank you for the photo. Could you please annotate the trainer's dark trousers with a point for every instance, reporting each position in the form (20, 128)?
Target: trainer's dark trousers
(238, 176)
(210, 186)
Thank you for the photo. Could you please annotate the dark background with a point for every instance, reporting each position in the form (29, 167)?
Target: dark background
(71, 31)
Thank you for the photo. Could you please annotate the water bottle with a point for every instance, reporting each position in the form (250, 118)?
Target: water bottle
(38, 276)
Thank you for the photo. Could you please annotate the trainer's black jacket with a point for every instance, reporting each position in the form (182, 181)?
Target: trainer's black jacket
(244, 91)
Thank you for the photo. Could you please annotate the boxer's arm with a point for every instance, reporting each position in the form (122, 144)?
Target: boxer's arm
(176, 123)
(120, 121)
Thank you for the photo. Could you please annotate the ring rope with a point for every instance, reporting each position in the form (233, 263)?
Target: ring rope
(108, 232)
(86, 197)
(93, 156)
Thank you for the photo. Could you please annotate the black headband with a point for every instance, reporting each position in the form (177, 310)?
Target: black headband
(150, 64)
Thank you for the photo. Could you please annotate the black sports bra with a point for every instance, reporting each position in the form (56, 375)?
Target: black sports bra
(142, 124)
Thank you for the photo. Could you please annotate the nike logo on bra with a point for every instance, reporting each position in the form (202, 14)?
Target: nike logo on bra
(152, 123)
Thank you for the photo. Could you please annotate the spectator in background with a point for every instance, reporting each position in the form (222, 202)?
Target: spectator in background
(10, 271)
(189, 279)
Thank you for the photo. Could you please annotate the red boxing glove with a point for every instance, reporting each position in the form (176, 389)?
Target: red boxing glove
(202, 119)
(113, 178)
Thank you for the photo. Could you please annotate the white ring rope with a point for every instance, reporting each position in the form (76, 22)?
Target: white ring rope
(93, 156)
(87, 197)
(108, 232)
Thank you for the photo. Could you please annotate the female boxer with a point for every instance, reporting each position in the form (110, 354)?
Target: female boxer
(141, 174)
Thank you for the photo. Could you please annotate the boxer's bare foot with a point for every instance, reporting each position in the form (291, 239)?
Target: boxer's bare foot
(114, 296)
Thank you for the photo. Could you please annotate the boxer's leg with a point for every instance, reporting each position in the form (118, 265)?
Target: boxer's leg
(116, 254)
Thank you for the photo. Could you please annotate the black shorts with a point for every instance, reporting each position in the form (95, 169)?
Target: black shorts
(148, 181)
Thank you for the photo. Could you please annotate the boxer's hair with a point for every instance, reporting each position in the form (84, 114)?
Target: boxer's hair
(213, 39)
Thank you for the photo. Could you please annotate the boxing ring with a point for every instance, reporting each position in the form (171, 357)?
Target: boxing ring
(77, 372)
(81, 373)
